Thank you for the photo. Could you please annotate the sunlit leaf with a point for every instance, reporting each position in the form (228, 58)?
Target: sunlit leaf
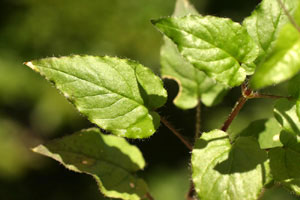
(265, 23)
(222, 171)
(111, 160)
(283, 62)
(116, 94)
(194, 84)
(266, 131)
(217, 46)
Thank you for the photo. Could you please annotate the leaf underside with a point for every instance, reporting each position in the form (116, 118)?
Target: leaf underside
(111, 160)
(116, 94)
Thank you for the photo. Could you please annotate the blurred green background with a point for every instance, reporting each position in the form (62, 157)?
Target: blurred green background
(32, 111)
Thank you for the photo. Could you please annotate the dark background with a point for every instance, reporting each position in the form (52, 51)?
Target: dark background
(32, 111)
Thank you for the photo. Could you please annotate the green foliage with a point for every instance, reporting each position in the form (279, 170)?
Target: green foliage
(206, 55)
(111, 160)
(219, 47)
(118, 95)
(230, 171)
(193, 83)
(266, 131)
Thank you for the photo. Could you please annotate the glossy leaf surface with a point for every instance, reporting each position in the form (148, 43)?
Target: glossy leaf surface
(111, 160)
(217, 46)
(222, 171)
(265, 23)
(283, 62)
(116, 94)
(193, 84)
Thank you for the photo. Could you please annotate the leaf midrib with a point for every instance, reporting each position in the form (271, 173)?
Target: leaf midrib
(180, 30)
(79, 78)
(95, 158)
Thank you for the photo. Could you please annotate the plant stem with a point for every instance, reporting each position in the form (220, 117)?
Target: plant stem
(176, 133)
(198, 121)
(270, 96)
(148, 195)
(234, 113)
(292, 20)
(190, 194)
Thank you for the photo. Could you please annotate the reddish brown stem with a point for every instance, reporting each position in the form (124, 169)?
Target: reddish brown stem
(149, 196)
(176, 133)
(270, 96)
(234, 113)
(191, 192)
(198, 121)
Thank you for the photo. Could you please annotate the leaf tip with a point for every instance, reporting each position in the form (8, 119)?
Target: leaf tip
(29, 64)
(154, 21)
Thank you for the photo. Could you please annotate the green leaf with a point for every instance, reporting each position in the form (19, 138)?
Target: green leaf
(282, 63)
(116, 94)
(294, 91)
(266, 131)
(111, 160)
(284, 162)
(286, 114)
(265, 23)
(217, 46)
(222, 171)
(193, 84)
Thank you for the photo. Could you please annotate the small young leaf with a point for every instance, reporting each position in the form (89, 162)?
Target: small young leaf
(283, 62)
(193, 83)
(222, 171)
(286, 114)
(265, 23)
(111, 160)
(266, 131)
(116, 94)
(217, 46)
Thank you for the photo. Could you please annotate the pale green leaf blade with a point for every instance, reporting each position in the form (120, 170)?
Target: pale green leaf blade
(267, 132)
(194, 85)
(282, 63)
(222, 171)
(217, 46)
(116, 94)
(285, 112)
(111, 160)
(265, 23)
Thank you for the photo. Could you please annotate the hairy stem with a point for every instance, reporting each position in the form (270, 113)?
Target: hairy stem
(176, 133)
(292, 20)
(234, 113)
(198, 121)
(191, 192)
(269, 96)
